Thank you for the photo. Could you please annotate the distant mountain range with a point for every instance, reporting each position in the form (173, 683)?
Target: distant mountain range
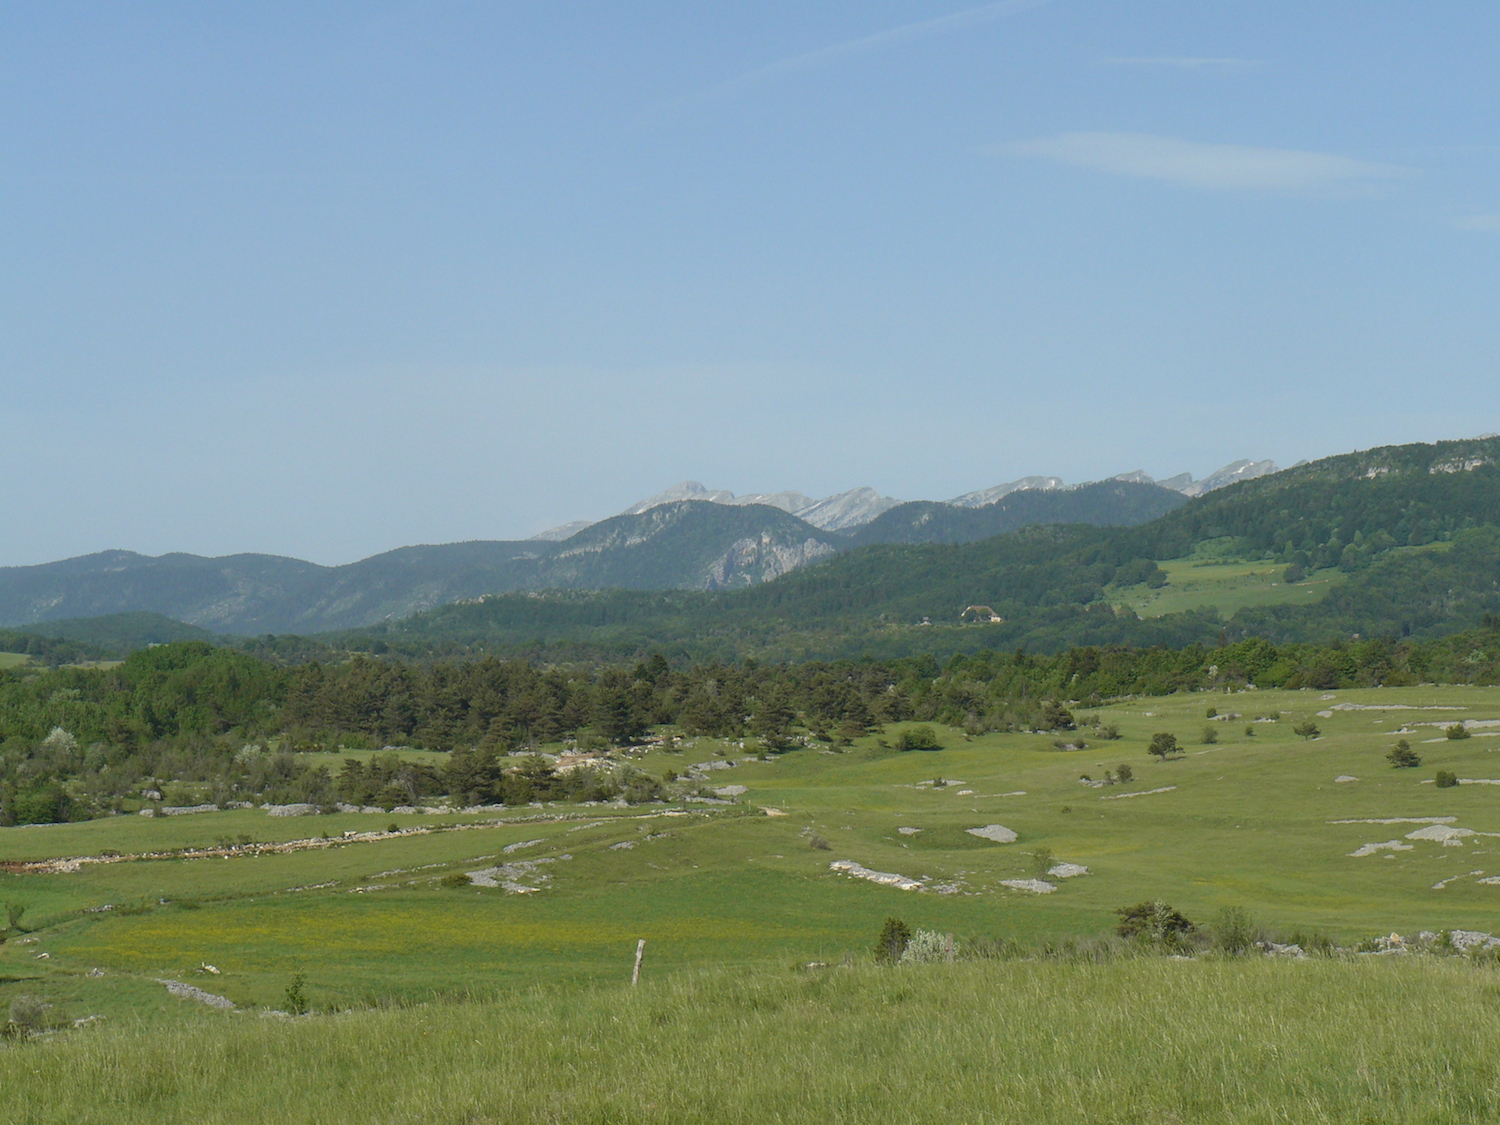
(685, 538)
(859, 506)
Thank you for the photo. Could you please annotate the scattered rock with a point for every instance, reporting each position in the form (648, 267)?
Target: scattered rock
(1343, 777)
(188, 992)
(185, 810)
(1371, 849)
(905, 831)
(622, 846)
(730, 791)
(1067, 871)
(1447, 835)
(1142, 793)
(997, 833)
(1031, 886)
(292, 810)
(520, 844)
(884, 878)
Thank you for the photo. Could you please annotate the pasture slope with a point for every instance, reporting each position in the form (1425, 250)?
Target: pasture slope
(506, 1001)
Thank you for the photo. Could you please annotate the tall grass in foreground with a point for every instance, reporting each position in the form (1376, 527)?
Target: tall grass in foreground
(1148, 1040)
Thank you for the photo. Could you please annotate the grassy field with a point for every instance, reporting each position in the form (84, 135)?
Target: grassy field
(13, 659)
(1226, 587)
(1249, 820)
(1130, 1041)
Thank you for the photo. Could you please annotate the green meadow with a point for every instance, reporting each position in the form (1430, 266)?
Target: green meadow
(1248, 820)
(1226, 587)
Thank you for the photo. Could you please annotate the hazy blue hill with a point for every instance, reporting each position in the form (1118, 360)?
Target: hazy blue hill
(1109, 503)
(1413, 527)
(121, 632)
(690, 544)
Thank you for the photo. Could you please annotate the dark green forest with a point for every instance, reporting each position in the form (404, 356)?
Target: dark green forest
(189, 721)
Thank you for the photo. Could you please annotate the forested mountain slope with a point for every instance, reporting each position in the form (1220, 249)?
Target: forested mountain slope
(675, 545)
(1414, 528)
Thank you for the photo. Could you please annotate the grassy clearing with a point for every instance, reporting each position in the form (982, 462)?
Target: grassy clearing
(14, 659)
(1244, 821)
(1226, 587)
(1148, 1040)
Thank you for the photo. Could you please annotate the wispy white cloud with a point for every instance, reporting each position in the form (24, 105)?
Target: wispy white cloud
(1490, 224)
(1215, 166)
(1176, 63)
(811, 60)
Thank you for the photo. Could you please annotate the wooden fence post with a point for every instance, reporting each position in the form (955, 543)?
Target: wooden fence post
(640, 952)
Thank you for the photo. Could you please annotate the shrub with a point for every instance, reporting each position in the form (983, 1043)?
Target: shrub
(925, 947)
(1125, 773)
(1155, 923)
(1210, 735)
(1163, 745)
(1446, 780)
(1306, 729)
(1109, 733)
(454, 879)
(28, 1015)
(1042, 861)
(1250, 732)
(894, 937)
(1211, 713)
(1402, 756)
(918, 738)
(1457, 731)
(820, 844)
(1293, 574)
(1232, 932)
(295, 1001)
(1055, 716)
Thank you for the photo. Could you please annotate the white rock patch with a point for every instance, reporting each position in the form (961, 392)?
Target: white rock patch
(1343, 777)
(884, 878)
(1067, 871)
(1445, 834)
(1142, 793)
(1371, 849)
(905, 831)
(1031, 886)
(997, 833)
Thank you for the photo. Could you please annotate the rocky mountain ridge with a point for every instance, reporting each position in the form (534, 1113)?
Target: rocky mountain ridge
(858, 506)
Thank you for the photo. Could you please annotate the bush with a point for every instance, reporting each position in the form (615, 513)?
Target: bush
(1163, 745)
(28, 1015)
(895, 935)
(454, 879)
(818, 843)
(1055, 716)
(295, 1001)
(1109, 733)
(1210, 735)
(918, 738)
(1402, 756)
(1457, 731)
(1232, 932)
(926, 947)
(1446, 780)
(1155, 923)
(1306, 729)
(1042, 862)
(1293, 574)
(1125, 773)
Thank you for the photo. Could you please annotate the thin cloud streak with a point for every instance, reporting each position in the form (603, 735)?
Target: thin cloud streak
(970, 17)
(1191, 63)
(1218, 167)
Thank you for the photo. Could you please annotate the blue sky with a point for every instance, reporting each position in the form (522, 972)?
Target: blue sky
(326, 279)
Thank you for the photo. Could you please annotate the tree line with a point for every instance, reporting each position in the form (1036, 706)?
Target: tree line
(225, 723)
